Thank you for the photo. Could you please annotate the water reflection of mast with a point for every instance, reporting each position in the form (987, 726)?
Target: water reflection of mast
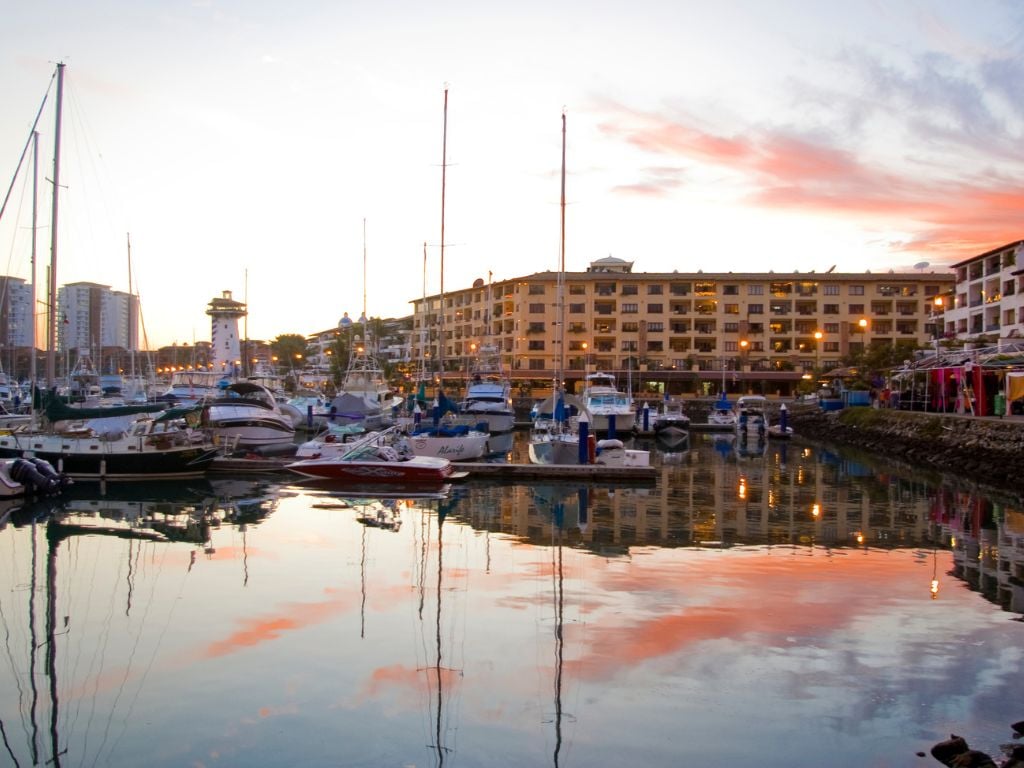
(51, 642)
(559, 593)
(437, 630)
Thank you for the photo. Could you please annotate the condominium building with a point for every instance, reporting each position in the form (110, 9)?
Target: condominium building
(686, 330)
(16, 307)
(989, 295)
(93, 317)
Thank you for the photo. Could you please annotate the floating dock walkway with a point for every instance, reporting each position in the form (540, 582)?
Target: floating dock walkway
(476, 470)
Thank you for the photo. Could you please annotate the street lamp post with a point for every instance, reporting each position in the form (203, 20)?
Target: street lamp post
(818, 335)
(936, 307)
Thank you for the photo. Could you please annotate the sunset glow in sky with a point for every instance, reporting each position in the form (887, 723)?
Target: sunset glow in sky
(243, 144)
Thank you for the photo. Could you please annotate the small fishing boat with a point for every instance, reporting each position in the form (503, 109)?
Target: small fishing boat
(751, 413)
(671, 425)
(721, 416)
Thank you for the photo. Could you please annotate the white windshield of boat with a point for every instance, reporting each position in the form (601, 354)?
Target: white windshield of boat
(608, 400)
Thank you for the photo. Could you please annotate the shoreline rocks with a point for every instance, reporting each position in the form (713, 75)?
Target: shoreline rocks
(983, 451)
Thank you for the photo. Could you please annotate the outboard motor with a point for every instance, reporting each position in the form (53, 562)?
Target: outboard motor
(38, 476)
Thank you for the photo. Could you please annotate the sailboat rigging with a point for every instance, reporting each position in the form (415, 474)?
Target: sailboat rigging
(552, 440)
(457, 442)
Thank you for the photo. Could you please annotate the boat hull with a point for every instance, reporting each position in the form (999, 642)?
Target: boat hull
(417, 471)
(455, 448)
(495, 422)
(95, 458)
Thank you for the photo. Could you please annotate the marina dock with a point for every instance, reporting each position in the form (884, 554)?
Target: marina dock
(501, 472)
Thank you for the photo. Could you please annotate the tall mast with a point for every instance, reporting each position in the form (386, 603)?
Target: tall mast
(423, 320)
(51, 341)
(560, 286)
(35, 216)
(364, 318)
(131, 336)
(444, 169)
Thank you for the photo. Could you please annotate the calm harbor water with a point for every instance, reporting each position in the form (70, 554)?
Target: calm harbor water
(791, 606)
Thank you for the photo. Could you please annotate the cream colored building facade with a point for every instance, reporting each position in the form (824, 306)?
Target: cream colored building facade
(657, 326)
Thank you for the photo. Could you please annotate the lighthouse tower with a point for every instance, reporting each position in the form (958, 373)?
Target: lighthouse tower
(225, 345)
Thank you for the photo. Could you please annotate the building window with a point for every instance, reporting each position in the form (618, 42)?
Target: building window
(655, 327)
(654, 309)
(732, 309)
(535, 328)
(831, 290)
(704, 288)
(654, 290)
(536, 365)
(830, 309)
(630, 290)
(755, 309)
(730, 290)
(655, 346)
(856, 309)
(536, 309)
(630, 327)
(856, 290)
(577, 309)
(630, 309)
(536, 290)
(731, 327)
(577, 290)
(536, 345)
(755, 290)
(628, 346)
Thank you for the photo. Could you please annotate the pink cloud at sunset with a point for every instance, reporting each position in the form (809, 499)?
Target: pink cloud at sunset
(950, 211)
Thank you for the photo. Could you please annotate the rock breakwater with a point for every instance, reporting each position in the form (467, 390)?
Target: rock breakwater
(985, 451)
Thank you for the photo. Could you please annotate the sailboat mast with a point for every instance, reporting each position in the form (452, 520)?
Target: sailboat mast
(35, 219)
(132, 342)
(560, 289)
(423, 320)
(51, 341)
(444, 169)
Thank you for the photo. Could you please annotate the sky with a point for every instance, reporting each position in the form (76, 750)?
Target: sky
(292, 153)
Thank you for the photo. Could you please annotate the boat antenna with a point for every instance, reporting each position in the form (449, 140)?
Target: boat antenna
(51, 340)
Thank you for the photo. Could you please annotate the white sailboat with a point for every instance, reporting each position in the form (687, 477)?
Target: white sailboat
(554, 439)
(441, 436)
(364, 398)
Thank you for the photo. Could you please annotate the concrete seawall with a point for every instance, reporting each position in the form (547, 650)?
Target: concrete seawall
(988, 451)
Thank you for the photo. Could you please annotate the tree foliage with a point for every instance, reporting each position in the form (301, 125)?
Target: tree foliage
(287, 347)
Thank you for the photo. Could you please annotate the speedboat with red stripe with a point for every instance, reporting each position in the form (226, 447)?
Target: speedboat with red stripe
(382, 458)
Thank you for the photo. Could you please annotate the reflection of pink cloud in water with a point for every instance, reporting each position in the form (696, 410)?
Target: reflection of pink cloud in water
(400, 678)
(772, 596)
(256, 631)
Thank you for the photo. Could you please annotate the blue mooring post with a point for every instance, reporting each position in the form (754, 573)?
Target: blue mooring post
(436, 413)
(647, 416)
(417, 414)
(611, 426)
(783, 418)
(583, 432)
(309, 417)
